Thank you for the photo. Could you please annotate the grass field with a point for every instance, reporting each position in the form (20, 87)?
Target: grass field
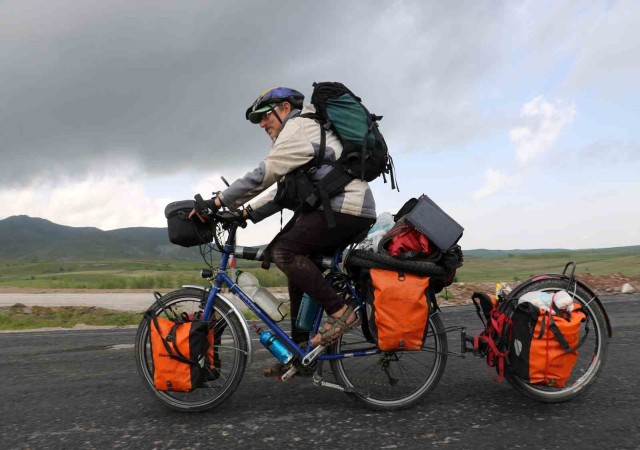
(20, 317)
(166, 275)
(115, 274)
(169, 275)
(522, 267)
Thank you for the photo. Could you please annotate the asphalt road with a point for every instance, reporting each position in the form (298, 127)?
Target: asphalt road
(80, 389)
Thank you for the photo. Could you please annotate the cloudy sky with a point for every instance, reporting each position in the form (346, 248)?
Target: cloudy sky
(520, 119)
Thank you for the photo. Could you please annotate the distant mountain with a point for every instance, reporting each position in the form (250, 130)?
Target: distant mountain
(484, 253)
(24, 237)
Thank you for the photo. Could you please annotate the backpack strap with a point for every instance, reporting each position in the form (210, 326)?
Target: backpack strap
(332, 183)
(558, 334)
(172, 350)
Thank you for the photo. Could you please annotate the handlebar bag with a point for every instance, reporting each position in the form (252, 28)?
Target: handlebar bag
(544, 348)
(400, 310)
(182, 350)
(184, 231)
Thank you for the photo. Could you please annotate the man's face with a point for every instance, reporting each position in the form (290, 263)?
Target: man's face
(270, 122)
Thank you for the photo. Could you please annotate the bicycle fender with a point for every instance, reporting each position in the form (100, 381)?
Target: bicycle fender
(241, 319)
(594, 297)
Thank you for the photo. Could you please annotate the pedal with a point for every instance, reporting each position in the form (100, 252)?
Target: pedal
(289, 374)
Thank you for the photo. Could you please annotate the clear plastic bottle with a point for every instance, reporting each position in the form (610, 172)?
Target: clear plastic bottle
(307, 313)
(503, 290)
(384, 223)
(271, 342)
(260, 296)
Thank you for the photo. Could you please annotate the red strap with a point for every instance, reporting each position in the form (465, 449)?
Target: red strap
(493, 331)
(548, 358)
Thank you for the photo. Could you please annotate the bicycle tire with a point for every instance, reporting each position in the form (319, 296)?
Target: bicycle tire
(591, 355)
(366, 380)
(369, 259)
(230, 350)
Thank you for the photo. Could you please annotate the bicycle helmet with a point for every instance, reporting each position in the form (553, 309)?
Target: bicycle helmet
(269, 98)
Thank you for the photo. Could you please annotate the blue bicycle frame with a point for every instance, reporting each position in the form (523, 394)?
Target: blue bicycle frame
(221, 278)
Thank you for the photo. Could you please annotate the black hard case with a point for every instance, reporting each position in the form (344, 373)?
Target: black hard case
(434, 223)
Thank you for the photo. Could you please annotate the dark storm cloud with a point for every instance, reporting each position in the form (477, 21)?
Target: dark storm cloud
(165, 84)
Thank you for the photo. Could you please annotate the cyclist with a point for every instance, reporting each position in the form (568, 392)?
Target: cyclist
(296, 142)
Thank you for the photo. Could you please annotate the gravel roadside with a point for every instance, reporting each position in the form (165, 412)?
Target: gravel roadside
(139, 300)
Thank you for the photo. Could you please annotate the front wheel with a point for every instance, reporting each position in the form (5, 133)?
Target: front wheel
(230, 353)
(389, 381)
(591, 354)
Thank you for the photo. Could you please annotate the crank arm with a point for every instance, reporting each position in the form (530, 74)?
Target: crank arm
(313, 354)
(289, 373)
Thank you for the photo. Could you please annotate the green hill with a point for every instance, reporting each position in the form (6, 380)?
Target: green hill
(31, 238)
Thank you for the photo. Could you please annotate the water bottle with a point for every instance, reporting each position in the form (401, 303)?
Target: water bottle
(306, 314)
(271, 342)
(260, 296)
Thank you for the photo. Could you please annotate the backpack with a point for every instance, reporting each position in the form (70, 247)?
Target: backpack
(364, 151)
(182, 351)
(364, 154)
(400, 304)
(545, 343)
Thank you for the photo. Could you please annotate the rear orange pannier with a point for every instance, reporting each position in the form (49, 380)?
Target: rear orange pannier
(401, 309)
(545, 345)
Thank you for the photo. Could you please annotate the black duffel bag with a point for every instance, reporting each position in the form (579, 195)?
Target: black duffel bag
(184, 231)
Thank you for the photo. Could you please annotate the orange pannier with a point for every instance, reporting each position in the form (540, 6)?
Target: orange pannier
(401, 309)
(182, 353)
(544, 349)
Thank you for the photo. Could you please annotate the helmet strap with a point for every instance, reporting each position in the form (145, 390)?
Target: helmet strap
(273, 110)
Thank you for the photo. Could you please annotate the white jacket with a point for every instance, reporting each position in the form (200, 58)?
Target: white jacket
(297, 144)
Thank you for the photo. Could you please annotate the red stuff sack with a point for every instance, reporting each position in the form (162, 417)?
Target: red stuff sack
(405, 242)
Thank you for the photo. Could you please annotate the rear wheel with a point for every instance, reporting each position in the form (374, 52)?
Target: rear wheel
(230, 354)
(390, 381)
(591, 354)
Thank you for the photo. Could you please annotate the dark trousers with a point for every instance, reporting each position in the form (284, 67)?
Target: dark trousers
(310, 235)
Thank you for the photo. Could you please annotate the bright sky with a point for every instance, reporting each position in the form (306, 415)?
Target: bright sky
(520, 119)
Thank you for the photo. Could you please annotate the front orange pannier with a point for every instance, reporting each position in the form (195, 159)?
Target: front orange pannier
(401, 309)
(182, 353)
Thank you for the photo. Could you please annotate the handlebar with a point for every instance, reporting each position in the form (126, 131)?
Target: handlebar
(250, 253)
(234, 219)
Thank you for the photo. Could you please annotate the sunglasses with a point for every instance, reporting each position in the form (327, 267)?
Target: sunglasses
(266, 115)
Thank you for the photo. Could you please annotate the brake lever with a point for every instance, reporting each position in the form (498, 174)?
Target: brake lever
(201, 207)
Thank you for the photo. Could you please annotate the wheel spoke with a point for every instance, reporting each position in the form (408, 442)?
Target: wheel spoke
(392, 380)
(230, 354)
(591, 355)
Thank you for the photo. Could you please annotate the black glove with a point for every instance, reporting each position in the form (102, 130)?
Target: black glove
(205, 207)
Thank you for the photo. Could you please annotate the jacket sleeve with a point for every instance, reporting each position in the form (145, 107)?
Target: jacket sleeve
(264, 207)
(291, 150)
